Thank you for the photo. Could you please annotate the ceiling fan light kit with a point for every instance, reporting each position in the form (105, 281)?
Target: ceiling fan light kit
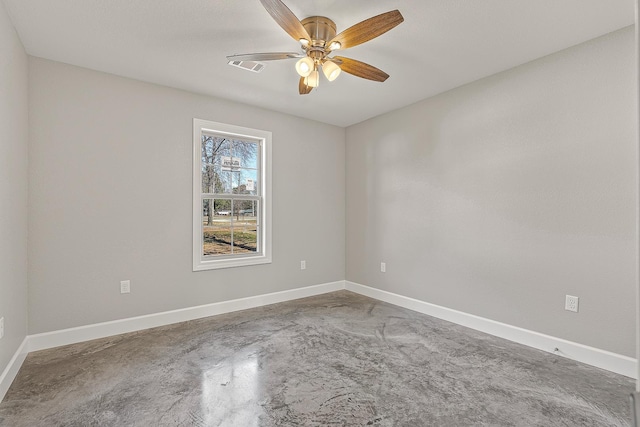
(313, 79)
(331, 70)
(318, 39)
(305, 66)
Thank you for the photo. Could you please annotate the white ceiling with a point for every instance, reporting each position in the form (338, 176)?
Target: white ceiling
(183, 44)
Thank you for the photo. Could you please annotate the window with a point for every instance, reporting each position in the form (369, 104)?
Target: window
(231, 196)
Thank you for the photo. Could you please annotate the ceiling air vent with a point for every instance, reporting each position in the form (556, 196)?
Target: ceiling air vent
(256, 67)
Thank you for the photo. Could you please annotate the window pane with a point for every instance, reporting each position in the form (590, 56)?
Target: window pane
(215, 177)
(207, 149)
(216, 227)
(207, 212)
(214, 180)
(221, 148)
(247, 152)
(213, 148)
(208, 175)
(247, 182)
(224, 182)
(235, 176)
(245, 226)
(209, 178)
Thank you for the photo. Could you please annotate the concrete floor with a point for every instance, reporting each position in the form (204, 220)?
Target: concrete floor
(336, 359)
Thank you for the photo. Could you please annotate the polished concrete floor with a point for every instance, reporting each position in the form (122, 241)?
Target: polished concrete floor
(338, 359)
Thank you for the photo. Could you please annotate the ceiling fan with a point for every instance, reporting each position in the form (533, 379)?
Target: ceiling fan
(317, 36)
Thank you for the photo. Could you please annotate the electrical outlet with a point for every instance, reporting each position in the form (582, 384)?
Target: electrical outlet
(383, 267)
(1, 327)
(125, 286)
(303, 265)
(571, 303)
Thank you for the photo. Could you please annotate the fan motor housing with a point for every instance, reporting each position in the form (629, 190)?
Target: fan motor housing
(320, 28)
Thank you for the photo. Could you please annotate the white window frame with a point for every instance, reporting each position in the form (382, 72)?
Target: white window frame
(263, 256)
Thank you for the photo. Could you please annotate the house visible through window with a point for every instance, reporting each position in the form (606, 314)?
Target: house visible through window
(231, 196)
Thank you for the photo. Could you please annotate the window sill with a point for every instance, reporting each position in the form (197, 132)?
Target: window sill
(215, 264)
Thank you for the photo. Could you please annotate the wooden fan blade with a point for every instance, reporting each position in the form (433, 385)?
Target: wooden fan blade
(368, 29)
(360, 69)
(286, 19)
(303, 88)
(267, 56)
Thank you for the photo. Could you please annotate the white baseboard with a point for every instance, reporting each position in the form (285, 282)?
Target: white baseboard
(592, 356)
(10, 372)
(100, 330)
(603, 359)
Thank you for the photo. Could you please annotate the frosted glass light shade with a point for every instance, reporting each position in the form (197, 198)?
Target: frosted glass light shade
(313, 79)
(331, 70)
(304, 67)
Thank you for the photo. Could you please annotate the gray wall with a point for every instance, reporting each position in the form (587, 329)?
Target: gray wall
(496, 198)
(501, 196)
(13, 188)
(110, 199)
